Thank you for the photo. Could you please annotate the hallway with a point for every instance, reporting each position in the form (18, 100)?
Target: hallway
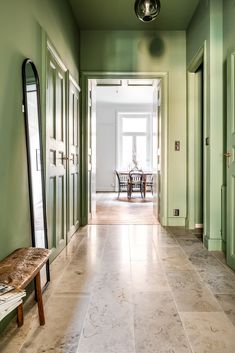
(132, 289)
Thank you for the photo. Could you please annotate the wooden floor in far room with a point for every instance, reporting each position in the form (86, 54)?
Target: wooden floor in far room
(111, 210)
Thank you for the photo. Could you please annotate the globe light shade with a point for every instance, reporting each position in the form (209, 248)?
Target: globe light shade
(147, 10)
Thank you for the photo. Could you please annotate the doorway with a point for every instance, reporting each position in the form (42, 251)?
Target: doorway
(197, 148)
(198, 124)
(123, 121)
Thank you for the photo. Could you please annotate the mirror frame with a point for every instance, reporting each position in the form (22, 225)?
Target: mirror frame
(26, 116)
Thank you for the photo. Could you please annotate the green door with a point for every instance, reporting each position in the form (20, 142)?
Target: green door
(73, 159)
(56, 155)
(230, 162)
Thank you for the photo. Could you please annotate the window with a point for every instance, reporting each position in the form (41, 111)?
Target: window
(135, 141)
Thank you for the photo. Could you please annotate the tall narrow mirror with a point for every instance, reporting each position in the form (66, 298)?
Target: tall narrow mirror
(33, 128)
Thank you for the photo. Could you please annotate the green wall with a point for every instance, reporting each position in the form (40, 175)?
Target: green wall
(206, 29)
(198, 30)
(149, 51)
(228, 26)
(22, 25)
(20, 37)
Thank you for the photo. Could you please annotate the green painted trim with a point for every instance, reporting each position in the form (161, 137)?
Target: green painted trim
(197, 59)
(223, 213)
(230, 226)
(200, 57)
(84, 149)
(163, 221)
(66, 149)
(173, 221)
(85, 76)
(216, 116)
(43, 79)
(190, 220)
(224, 249)
(213, 244)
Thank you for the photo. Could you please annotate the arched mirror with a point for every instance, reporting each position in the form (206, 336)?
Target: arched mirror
(33, 129)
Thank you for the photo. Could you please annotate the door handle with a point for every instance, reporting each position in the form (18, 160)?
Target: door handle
(228, 156)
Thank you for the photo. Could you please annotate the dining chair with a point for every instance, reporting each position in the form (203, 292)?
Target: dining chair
(123, 179)
(135, 183)
(147, 183)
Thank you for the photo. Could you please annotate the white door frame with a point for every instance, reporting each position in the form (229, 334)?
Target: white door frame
(163, 76)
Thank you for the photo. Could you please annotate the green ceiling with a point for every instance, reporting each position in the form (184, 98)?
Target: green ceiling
(119, 15)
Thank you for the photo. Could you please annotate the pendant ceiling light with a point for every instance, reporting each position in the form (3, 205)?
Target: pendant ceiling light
(147, 10)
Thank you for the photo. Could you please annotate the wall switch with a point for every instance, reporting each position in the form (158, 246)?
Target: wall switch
(177, 145)
(176, 212)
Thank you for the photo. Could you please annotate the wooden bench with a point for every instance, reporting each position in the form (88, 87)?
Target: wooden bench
(19, 269)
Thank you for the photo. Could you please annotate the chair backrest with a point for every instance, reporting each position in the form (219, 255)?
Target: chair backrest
(117, 174)
(149, 178)
(122, 177)
(136, 176)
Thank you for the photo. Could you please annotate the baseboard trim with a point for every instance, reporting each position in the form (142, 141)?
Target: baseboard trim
(173, 221)
(198, 226)
(189, 223)
(105, 190)
(162, 220)
(213, 244)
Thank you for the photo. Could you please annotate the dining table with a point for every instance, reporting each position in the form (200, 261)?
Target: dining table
(146, 176)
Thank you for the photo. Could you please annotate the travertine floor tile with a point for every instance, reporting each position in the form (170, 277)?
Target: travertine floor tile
(108, 326)
(158, 328)
(64, 319)
(209, 332)
(76, 279)
(190, 292)
(164, 239)
(174, 258)
(148, 277)
(190, 246)
(220, 282)
(227, 301)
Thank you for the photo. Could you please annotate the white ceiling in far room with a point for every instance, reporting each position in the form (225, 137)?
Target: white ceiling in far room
(125, 91)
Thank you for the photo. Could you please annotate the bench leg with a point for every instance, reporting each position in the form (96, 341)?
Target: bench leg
(20, 315)
(39, 299)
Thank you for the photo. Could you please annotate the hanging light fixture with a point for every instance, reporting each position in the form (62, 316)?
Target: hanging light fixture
(147, 10)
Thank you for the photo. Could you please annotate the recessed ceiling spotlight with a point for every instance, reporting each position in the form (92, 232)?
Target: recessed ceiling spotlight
(147, 10)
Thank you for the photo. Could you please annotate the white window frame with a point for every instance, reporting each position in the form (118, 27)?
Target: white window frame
(148, 134)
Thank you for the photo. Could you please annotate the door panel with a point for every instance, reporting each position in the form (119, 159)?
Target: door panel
(52, 213)
(89, 167)
(198, 154)
(156, 148)
(93, 147)
(230, 163)
(56, 152)
(73, 159)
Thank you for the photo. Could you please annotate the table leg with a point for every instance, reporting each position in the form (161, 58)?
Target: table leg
(128, 191)
(144, 189)
(20, 315)
(39, 299)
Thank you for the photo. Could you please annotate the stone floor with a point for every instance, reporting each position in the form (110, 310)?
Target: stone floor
(132, 289)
